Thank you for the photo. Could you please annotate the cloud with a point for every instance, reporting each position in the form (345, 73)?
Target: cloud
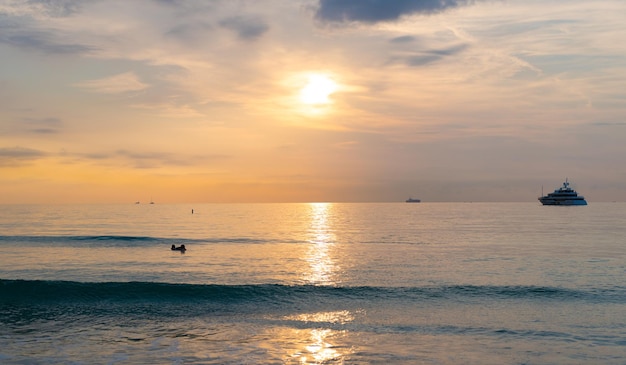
(55, 8)
(430, 56)
(190, 31)
(608, 123)
(38, 40)
(143, 159)
(43, 8)
(41, 125)
(403, 39)
(124, 82)
(148, 160)
(246, 28)
(31, 25)
(14, 156)
(373, 11)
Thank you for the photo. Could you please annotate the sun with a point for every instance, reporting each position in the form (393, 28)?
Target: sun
(318, 90)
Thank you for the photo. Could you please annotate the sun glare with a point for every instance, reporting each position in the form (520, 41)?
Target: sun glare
(318, 90)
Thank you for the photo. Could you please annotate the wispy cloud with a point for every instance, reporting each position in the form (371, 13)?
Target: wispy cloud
(39, 40)
(121, 83)
(15, 156)
(247, 28)
(41, 125)
(55, 8)
(403, 39)
(143, 159)
(40, 8)
(33, 25)
(424, 57)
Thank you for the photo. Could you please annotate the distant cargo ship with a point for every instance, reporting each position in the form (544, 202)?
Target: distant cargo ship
(411, 200)
(563, 196)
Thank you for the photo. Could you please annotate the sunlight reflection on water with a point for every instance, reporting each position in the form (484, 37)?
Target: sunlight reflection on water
(317, 345)
(322, 238)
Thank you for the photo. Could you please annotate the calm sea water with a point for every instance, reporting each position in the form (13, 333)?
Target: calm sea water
(427, 283)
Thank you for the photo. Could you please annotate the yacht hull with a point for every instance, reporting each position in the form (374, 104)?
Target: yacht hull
(562, 202)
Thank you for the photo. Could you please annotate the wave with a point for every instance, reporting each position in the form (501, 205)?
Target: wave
(24, 302)
(115, 241)
(42, 291)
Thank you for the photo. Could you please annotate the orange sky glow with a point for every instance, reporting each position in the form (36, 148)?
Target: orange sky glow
(310, 100)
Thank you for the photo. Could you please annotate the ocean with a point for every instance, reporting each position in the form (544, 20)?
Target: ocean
(319, 283)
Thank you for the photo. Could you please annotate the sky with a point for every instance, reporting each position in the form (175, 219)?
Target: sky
(237, 101)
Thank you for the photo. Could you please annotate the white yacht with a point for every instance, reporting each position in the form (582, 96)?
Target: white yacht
(563, 196)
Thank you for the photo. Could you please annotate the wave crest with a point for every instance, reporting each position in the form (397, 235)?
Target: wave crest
(41, 291)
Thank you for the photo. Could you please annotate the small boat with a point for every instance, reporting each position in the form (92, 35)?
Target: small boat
(563, 196)
(411, 200)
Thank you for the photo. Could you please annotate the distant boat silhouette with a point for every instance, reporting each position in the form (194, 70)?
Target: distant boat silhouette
(411, 200)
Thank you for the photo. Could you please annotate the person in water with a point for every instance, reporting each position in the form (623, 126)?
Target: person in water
(181, 248)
